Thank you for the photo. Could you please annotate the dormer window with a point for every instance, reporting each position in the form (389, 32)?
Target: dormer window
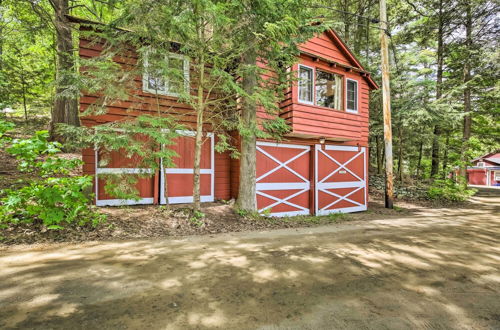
(165, 74)
(306, 83)
(329, 90)
(325, 89)
(352, 95)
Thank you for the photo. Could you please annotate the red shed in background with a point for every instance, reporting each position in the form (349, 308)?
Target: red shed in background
(320, 167)
(485, 171)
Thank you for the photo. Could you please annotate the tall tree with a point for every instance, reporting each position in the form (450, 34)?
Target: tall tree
(467, 122)
(271, 31)
(65, 108)
(439, 83)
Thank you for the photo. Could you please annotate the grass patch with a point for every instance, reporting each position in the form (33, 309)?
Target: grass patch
(311, 219)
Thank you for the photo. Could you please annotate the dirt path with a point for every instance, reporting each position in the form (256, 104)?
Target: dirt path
(438, 269)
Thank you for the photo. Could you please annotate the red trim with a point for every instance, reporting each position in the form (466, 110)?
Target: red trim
(350, 55)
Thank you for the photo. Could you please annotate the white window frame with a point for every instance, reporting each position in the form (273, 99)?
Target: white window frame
(313, 94)
(481, 164)
(357, 96)
(167, 92)
(496, 174)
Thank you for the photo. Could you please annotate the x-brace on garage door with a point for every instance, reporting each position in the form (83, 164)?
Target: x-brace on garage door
(340, 179)
(283, 179)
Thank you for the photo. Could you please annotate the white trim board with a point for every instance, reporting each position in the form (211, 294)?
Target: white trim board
(120, 202)
(110, 171)
(209, 171)
(302, 186)
(327, 187)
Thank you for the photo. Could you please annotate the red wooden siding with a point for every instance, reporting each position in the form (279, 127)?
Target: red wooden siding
(308, 123)
(283, 178)
(138, 103)
(477, 176)
(323, 45)
(341, 179)
(312, 120)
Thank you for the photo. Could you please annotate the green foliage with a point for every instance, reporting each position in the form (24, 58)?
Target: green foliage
(55, 199)
(5, 126)
(197, 218)
(144, 140)
(449, 190)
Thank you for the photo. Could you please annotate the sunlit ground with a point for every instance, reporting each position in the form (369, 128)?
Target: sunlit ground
(437, 269)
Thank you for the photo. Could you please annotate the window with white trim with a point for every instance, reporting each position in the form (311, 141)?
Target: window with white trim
(165, 74)
(329, 90)
(480, 164)
(306, 84)
(352, 95)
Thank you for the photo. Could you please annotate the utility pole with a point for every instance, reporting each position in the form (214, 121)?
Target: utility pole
(386, 106)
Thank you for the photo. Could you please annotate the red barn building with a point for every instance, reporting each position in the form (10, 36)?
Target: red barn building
(485, 170)
(320, 167)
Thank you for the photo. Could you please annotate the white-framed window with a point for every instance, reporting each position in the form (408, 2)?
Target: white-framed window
(326, 89)
(480, 164)
(306, 83)
(165, 74)
(329, 90)
(496, 176)
(351, 95)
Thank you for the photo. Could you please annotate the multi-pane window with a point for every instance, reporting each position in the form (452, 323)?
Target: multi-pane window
(165, 74)
(305, 84)
(352, 95)
(328, 90)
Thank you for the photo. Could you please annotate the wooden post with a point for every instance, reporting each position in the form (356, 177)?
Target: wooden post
(386, 106)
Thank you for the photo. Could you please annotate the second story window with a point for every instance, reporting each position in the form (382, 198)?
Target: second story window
(165, 74)
(306, 84)
(352, 95)
(328, 90)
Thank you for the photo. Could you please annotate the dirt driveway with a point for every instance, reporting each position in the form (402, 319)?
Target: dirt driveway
(438, 269)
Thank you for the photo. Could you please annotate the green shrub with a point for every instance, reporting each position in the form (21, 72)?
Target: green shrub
(54, 198)
(5, 126)
(449, 190)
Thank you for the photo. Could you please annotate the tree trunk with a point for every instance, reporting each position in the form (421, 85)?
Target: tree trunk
(246, 193)
(379, 155)
(464, 159)
(400, 154)
(24, 99)
(359, 32)
(435, 151)
(419, 162)
(439, 83)
(445, 156)
(65, 109)
(199, 135)
(347, 20)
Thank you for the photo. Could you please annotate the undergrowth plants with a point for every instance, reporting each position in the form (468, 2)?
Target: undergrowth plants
(54, 197)
(449, 190)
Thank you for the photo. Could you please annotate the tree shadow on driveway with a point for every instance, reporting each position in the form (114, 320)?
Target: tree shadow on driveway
(418, 272)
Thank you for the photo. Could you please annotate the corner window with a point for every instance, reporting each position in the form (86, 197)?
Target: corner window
(352, 95)
(328, 90)
(165, 74)
(306, 84)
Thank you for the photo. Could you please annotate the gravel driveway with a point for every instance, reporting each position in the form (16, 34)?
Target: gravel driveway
(435, 269)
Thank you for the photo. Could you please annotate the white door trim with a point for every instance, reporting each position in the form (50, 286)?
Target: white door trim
(125, 170)
(302, 187)
(211, 171)
(324, 186)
